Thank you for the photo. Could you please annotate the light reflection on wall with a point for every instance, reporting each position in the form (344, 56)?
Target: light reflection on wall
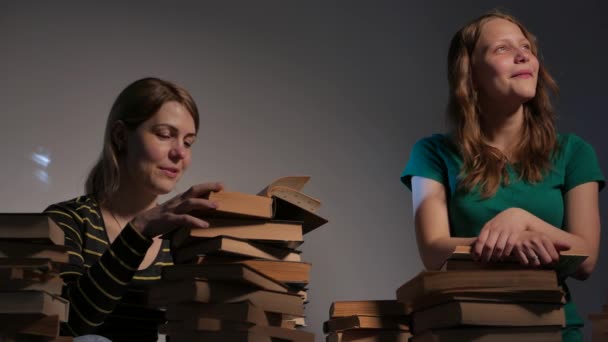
(42, 158)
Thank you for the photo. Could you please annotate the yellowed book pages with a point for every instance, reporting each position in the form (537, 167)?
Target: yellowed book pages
(366, 322)
(273, 231)
(30, 227)
(293, 182)
(222, 245)
(369, 336)
(428, 282)
(237, 273)
(490, 295)
(34, 302)
(289, 189)
(366, 308)
(239, 204)
(242, 312)
(294, 322)
(56, 253)
(284, 271)
(201, 291)
(454, 314)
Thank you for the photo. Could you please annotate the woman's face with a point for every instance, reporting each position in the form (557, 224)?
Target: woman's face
(159, 150)
(504, 67)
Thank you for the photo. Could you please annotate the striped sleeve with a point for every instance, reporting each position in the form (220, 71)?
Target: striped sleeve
(94, 292)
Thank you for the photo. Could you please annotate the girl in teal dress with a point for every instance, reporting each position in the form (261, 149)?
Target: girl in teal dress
(503, 180)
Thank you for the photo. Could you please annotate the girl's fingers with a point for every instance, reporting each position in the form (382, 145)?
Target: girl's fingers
(521, 256)
(202, 190)
(194, 204)
(499, 248)
(533, 256)
(490, 244)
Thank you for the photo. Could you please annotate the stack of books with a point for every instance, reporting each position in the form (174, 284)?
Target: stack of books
(475, 302)
(31, 251)
(243, 278)
(599, 325)
(367, 321)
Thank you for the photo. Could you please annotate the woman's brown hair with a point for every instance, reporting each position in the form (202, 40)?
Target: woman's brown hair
(138, 102)
(484, 166)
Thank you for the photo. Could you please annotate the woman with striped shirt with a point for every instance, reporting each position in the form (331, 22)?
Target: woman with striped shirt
(113, 231)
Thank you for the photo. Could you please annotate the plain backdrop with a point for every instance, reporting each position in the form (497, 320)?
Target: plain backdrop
(338, 90)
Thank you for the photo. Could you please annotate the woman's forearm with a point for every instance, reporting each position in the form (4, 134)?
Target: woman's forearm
(576, 243)
(436, 252)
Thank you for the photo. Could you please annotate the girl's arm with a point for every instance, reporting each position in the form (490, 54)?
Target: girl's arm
(432, 223)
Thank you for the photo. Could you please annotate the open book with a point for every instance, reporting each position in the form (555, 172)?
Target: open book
(289, 189)
(281, 200)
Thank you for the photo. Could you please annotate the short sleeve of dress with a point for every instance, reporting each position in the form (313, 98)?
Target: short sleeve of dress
(426, 161)
(582, 165)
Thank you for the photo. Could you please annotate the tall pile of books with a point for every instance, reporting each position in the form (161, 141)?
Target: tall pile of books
(470, 301)
(367, 321)
(31, 250)
(243, 278)
(599, 325)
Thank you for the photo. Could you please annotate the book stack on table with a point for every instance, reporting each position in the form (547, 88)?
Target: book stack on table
(243, 278)
(31, 252)
(470, 301)
(367, 321)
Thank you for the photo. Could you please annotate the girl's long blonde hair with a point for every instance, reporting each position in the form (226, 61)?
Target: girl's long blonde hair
(484, 166)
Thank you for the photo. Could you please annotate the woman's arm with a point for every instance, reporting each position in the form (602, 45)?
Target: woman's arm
(509, 231)
(432, 223)
(582, 222)
(94, 290)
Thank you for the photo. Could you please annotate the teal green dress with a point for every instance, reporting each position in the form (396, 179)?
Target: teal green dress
(574, 163)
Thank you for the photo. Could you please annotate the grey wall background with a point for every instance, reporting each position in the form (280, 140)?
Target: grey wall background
(339, 90)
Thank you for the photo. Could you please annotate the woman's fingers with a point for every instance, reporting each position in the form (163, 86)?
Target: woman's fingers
(501, 244)
(190, 221)
(521, 255)
(480, 243)
(490, 244)
(529, 248)
(549, 254)
(531, 255)
(175, 212)
(202, 190)
(526, 254)
(562, 245)
(170, 222)
(540, 255)
(194, 204)
(511, 244)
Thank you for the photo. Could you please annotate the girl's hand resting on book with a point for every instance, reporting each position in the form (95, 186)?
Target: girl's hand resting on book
(498, 236)
(536, 249)
(175, 212)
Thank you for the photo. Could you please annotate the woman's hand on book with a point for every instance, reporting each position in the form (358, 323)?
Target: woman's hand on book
(536, 249)
(175, 212)
(498, 236)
